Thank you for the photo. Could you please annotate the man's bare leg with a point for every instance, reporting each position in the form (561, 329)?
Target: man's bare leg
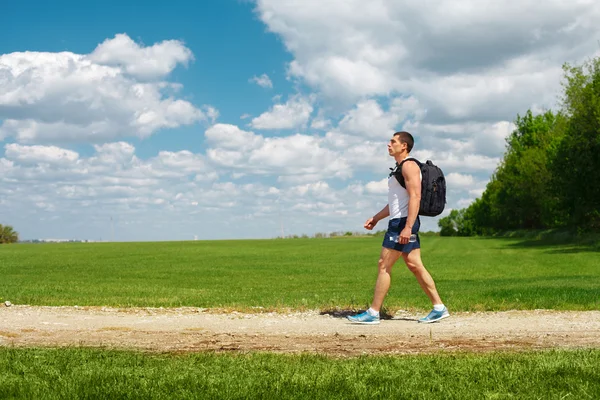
(415, 265)
(387, 258)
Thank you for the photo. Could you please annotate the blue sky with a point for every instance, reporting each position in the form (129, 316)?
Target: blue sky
(229, 43)
(242, 119)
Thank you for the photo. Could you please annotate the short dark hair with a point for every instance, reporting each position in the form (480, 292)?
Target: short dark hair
(407, 138)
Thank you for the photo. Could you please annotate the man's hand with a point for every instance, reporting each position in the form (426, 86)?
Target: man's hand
(370, 224)
(404, 235)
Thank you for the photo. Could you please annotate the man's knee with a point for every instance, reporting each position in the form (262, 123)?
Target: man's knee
(414, 265)
(383, 265)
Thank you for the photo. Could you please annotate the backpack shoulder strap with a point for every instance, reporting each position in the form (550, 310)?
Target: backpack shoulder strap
(419, 163)
(398, 171)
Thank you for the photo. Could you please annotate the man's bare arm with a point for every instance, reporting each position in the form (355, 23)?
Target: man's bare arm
(371, 222)
(385, 212)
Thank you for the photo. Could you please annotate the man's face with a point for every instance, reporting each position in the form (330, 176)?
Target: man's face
(395, 146)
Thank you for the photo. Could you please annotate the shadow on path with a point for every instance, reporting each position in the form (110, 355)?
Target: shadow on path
(345, 313)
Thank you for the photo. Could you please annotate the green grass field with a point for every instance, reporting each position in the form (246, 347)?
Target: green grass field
(471, 274)
(86, 373)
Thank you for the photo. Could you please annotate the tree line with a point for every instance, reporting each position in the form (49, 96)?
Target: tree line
(550, 173)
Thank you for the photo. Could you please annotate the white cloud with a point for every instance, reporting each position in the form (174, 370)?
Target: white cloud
(185, 191)
(476, 193)
(144, 62)
(112, 163)
(320, 123)
(293, 114)
(368, 119)
(113, 179)
(486, 140)
(320, 191)
(262, 81)
(294, 158)
(379, 187)
(5, 166)
(226, 136)
(491, 140)
(463, 181)
(211, 112)
(469, 60)
(491, 94)
(184, 161)
(40, 154)
(114, 153)
(361, 154)
(65, 96)
(466, 162)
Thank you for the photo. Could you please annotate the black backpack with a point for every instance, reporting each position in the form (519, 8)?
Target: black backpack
(433, 187)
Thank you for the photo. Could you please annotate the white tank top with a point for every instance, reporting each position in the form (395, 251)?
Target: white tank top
(398, 197)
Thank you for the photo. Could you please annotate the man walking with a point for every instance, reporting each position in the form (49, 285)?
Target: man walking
(401, 238)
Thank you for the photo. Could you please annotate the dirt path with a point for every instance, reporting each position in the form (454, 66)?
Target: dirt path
(191, 329)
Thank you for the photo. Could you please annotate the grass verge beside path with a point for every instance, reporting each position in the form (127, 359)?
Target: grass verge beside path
(89, 373)
(472, 274)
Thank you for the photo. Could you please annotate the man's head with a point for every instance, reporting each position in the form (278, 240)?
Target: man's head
(401, 142)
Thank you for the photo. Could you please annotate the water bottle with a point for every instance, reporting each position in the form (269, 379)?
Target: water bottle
(413, 238)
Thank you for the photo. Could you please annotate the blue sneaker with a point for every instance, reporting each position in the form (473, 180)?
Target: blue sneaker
(435, 316)
(364, 318)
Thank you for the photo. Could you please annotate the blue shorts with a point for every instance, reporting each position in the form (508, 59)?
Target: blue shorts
(395, 226)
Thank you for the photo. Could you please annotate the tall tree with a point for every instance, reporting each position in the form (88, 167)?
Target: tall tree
(519, 194)
(526, 194)
(577, 162)
(550, 174)
(457, 223)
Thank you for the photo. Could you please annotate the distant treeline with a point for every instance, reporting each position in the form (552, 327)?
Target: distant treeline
(550, 174)
(321, 235)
